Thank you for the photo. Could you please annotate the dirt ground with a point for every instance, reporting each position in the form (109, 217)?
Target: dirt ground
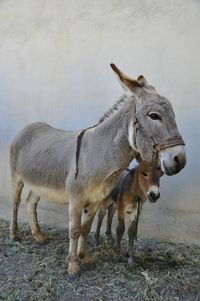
(29, 271)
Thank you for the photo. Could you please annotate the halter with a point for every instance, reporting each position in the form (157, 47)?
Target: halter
(173, 141)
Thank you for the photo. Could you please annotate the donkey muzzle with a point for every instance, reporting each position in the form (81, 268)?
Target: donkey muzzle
(153, 194)
(173, 159)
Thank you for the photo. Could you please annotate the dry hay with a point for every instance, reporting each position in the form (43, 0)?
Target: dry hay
(29, 271)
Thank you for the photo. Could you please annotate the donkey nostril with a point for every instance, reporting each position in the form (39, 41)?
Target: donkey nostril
(177, 160)
(152, 195)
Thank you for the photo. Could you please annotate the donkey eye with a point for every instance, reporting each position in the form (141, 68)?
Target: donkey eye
(145, 174)
(155, 116)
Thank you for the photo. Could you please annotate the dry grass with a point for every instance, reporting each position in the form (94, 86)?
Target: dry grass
(29, 271)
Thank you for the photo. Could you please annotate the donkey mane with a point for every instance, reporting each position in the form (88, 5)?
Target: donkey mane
(114, 108)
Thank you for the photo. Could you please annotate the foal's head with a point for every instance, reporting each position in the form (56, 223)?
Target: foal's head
(149, 180)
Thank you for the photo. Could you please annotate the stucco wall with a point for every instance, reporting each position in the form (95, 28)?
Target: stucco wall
(54, 67)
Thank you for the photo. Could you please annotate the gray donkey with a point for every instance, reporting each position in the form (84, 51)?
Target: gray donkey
(45, 159)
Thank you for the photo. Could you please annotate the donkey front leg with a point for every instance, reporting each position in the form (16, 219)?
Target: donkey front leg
(120, 228)
(85, 229)
(32, 201)
(131, 237)
(75, 209)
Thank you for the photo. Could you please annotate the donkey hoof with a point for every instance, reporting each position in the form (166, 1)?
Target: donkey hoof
(131, 263)
(97, 242)
(119, 257)
(41, 239)
(111, 240)
(15, 237)
(73, 271)
(73, 277)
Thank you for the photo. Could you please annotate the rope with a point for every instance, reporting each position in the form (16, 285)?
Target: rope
(138, 202)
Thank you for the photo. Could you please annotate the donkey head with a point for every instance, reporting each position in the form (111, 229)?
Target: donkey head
(153, 124)
(149, 180)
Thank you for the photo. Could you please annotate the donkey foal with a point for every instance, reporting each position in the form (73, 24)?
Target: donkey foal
(142, 182)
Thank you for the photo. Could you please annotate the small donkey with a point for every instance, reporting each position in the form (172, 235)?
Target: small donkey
(133, 184)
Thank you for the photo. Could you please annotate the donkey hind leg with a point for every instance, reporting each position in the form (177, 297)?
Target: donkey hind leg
(32, 201)
(75, 210)
(85, 229)
(111, 211)
(17, 187)
(101, 214)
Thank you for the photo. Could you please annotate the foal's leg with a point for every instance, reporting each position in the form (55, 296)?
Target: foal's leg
(17, 186)
(120, 227)
(131, 238)
(111, 211)
(75, 209)
(32, 201)
(85, 229)
(101, 214)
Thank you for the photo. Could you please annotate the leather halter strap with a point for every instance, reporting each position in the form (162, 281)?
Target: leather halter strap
(173, 141)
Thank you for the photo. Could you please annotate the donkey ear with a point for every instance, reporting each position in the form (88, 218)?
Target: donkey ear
(127, 82)
(142, 80)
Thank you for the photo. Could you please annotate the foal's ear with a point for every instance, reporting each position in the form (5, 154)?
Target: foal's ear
(127, 82)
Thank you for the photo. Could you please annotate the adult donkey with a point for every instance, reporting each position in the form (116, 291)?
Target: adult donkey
(56, 166)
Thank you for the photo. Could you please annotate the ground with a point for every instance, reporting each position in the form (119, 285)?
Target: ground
(29, 271)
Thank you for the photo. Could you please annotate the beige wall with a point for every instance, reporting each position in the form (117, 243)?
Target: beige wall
(54, 67)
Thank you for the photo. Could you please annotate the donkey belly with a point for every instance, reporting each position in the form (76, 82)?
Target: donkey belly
(49, 194)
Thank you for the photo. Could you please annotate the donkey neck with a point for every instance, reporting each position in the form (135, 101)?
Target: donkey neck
(136, 188)
(114, 132)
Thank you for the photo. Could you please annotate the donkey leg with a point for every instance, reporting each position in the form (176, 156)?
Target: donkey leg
(120, 227)
(101, 214)
(75, 210)
(85, 229)
(131, 238)
(132, 233)
(32, 201)
(17, 187)
(111, 211)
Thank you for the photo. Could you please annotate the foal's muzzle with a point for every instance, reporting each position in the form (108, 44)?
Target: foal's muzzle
(153, 195)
